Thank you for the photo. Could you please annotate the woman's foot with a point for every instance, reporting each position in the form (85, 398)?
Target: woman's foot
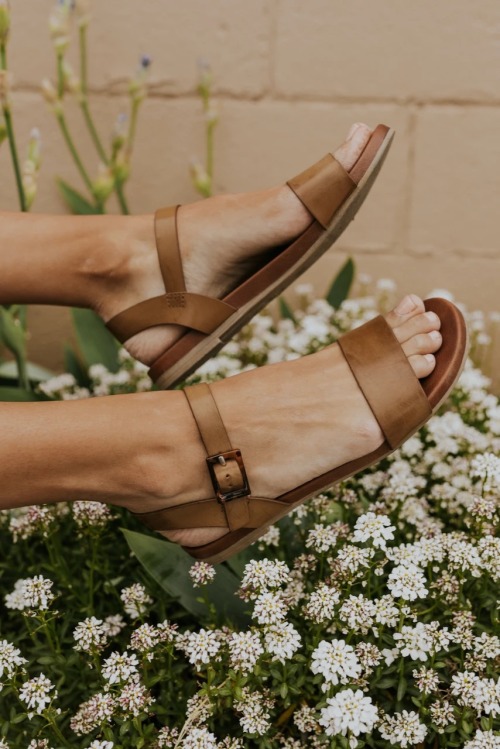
(220, 240)
(292, 421)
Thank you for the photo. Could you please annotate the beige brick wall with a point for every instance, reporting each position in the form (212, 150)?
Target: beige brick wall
(291, 77)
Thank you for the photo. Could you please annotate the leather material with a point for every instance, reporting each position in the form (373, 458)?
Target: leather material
(386, 379)
(167, 245)
(194, 311)
(209, 513)
(215, 438)
(322, 188)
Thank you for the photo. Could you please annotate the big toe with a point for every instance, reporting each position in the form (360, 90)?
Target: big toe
(350, 151)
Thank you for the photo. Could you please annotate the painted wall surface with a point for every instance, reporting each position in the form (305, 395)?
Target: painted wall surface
(291, 77)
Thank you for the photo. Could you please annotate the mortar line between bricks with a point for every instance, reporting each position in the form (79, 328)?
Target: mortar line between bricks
(414, 253)
(280, 98)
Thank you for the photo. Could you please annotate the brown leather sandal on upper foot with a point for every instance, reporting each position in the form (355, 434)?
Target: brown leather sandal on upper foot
(329, 193)
(400, 402)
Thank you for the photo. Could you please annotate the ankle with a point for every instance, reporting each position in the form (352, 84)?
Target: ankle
(121, 258)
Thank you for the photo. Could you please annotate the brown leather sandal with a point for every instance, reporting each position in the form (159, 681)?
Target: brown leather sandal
(330, 194)
(400, 402)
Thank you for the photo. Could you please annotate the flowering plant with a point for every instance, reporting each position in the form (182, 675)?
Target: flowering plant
(368, 617)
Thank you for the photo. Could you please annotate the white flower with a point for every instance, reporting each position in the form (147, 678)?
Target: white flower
(386, 612)
(282, 641)
(10, 659)
(263, 574)
(483, 740)
(199, 738)
(358, 612)
(427, 679)
(487, 467)
(113, 624)
(201, 573)
(254, 712)
(321, 538)
(407, 581)
(119, 667)
(348, 711)
(416, 642)
(90, 635)
(92, 713)
(321, 604)
(144, 639)
(269, 608)
(136, 600)
(335, 661)
(376, 528)
(36, 693)
(403, 728)
(93, 514)
(101, 744)
(201, 647)
(305, 719)
(245, 649)
(134, 698)
(31, 593)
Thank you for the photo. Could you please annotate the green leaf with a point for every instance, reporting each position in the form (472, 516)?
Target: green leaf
(339, 290)
(95, 342)
(18, 395)
(11, 332)
(74, 200)
(36, 373)
(73, 365)
(285, 310)
(169, 565)
(401, 689)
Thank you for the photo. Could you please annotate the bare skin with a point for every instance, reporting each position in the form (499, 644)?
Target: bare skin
(143, 451)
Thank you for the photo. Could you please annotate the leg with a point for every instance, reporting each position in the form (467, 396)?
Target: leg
(109, 263)
(144, 451)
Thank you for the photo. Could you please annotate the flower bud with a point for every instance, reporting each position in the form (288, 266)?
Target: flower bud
(31, 167)
(4, 20)
(137, 84)
(119, 134)
(121, 167)
(82, 10)
(49, 91)
(103, 186)
(59, 25)
(205, 77)
(71, 81)
(201, 180)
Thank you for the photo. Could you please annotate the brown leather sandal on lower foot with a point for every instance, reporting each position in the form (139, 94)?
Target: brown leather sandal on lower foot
(329, 193)
(400, 402)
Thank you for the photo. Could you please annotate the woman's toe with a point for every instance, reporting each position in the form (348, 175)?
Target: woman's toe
(424, 343)
(422, 365)
(352, 148)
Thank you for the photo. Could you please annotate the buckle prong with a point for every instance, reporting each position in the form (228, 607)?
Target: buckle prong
(221, 459)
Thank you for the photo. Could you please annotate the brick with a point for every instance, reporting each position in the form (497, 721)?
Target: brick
(357, 49)
(455, 195)
(234, 37)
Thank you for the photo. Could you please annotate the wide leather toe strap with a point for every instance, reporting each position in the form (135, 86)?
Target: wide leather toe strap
(322, 188)
(386, 379)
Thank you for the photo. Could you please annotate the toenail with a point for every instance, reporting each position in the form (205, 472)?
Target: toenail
(353, 130)
(405, 306)
(432, 317)
(435, 335)
(430, 358)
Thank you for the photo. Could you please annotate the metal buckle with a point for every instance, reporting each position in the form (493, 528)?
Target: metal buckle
(220, 459)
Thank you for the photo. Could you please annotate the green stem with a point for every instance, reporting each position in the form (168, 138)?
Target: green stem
(11, 137)
(74, 153)
(60, 76)
(57, 732)
(132, 125)
(122, 199)
(84, 105)
(82, 36)
(210, 154)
